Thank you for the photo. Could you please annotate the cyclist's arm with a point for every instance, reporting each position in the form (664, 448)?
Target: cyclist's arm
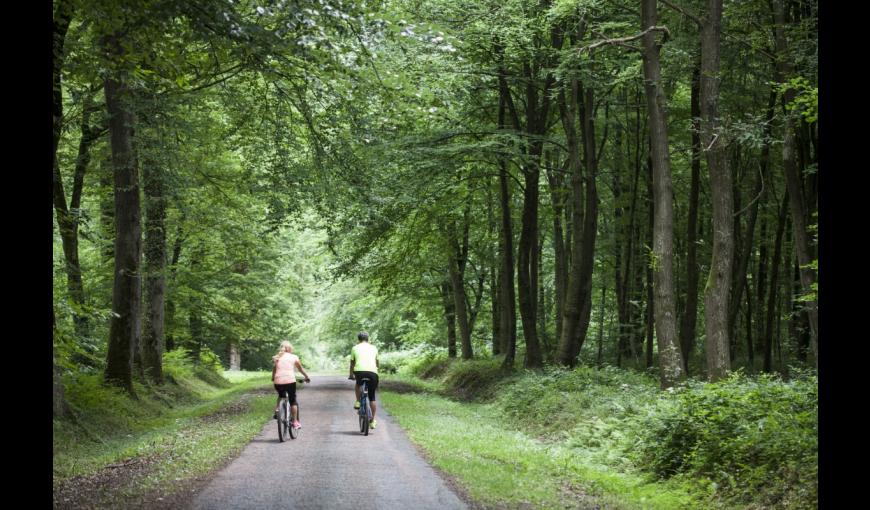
(274, 368)
(299, 366)
(352, 363)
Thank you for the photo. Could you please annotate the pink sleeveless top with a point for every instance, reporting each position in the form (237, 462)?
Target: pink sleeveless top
(285, 371)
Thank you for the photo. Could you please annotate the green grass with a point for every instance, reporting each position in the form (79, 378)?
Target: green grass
(179, 430)
(500, 466)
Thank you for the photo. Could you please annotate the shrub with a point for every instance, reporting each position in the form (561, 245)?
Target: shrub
(475, 379)
(393, 362)
(179, 365)
(754, 438)
(430, 365)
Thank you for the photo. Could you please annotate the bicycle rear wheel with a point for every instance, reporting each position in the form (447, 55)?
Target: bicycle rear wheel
(283, 412)
(364, 417)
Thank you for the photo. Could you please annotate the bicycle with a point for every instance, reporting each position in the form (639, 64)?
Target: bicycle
(285, 419)
(365, 407)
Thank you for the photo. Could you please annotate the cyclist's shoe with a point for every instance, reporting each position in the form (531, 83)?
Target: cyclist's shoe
(374, 424)
(297, 425)
(356, 405)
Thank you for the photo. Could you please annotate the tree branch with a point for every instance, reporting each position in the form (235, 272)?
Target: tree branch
(682, 11)
(623, 40)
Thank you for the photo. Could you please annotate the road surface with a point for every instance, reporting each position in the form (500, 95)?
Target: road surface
(330, 465)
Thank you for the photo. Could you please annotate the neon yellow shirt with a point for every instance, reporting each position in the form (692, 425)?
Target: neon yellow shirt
(364, 355)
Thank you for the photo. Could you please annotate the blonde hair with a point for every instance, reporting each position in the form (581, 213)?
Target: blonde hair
(286, 346)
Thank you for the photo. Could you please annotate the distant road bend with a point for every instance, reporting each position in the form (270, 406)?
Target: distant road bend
(331, 465)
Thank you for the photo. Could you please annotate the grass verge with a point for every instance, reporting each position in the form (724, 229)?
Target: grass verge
(124, 452)
(501, 467)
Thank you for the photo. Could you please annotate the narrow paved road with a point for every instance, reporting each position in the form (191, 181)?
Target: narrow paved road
(330, 465)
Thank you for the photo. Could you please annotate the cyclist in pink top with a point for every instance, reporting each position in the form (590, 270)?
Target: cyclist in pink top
(284, 377)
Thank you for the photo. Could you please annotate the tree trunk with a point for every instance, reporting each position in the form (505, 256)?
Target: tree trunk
(750, 349)
(556, 181)
(173, 266)
(128, 234)
(508, 304)
(155, 277)
(670, 358)
(495, 303)
(601, 325)
(494, 279)
(761, 286)
(450, 317)
(572, 307)
(107, 211)
(458, 262)
(57, 383)
(590, 214)
(235, 356)
(793, 182)
(66, 219)
(546, 348)
(649, 319)
(718, 286)
(690, 314)
(525, 267)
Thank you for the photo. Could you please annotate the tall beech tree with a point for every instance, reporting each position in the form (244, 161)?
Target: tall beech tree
(664, 308)
(718, 288)
(128, 231)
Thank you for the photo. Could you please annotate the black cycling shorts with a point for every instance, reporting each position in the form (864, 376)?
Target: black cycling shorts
(372, 384)
(288, 390)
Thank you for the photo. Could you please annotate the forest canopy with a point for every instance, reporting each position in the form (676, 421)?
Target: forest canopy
(556, 183)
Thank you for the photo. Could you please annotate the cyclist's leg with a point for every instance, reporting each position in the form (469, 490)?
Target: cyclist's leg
(358, 386)
(294, 408)
(279, 389)
(373, 393)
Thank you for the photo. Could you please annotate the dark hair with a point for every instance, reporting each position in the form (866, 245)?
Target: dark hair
(362, 335)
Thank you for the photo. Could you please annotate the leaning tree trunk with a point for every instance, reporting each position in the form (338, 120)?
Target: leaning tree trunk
(670, 358)
(128, 234)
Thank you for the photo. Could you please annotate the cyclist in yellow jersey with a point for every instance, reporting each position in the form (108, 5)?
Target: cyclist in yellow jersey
(364, 364)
